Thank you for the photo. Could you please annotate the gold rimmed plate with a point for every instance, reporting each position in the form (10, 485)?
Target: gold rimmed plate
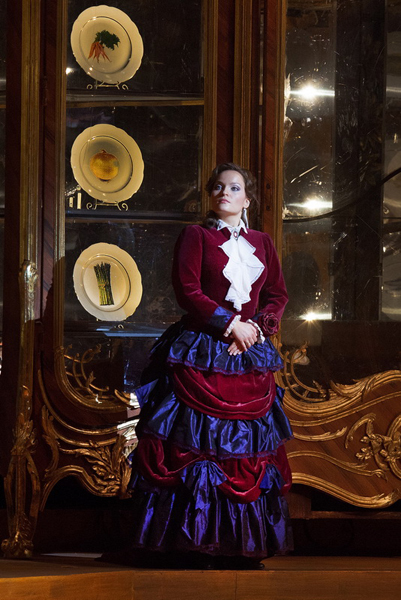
(107, 44)
(107, 163)
(107, 282)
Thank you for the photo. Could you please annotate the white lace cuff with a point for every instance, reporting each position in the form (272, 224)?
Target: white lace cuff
(261, 337)
(231, 325)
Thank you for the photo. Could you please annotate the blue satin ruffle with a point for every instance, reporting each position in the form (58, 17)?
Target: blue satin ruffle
(175, 519)
(224, 438)
(203, 352)
(200, 478)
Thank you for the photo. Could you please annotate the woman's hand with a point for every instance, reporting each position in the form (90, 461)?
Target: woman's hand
(245, 335)
(233, 349)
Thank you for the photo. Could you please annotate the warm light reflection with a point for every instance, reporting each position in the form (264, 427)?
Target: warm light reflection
(313, 316)
(68, 71)
(309, 93)
(316, 204)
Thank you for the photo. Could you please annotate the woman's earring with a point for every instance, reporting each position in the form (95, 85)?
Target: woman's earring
(244, 217)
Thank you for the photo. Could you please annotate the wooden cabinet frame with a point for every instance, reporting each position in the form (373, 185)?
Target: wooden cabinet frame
(53, 427)
(59, 428)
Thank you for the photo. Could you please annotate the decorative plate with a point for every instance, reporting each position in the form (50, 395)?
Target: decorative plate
(107, 282)
(107, 44)
(107, 163)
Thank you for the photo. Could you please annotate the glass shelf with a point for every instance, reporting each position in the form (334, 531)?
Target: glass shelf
(112, 99)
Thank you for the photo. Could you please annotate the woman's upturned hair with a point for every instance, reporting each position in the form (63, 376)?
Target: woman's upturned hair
(211, 218)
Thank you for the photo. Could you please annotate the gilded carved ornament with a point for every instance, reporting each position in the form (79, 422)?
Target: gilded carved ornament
(21, 467)
(335, 426)
(22, 508)
(106, 472)
(82, 381)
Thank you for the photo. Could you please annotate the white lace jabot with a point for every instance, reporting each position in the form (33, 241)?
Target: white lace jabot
(243, 267)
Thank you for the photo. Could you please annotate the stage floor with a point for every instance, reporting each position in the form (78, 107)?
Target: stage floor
(80, 577)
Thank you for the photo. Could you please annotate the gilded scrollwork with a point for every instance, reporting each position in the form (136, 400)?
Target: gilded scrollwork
(82, 381)
(338, 429)
(111, 472)
(381, 500)
(385, 449)
(50, 437)
(21, 527)
(20, 545)
(22, 474)
(322, 401)
(289, 379)
(107, 472)
(352, 467)
(328, 435)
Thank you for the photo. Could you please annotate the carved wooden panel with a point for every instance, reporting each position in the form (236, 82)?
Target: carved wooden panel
(347, 438)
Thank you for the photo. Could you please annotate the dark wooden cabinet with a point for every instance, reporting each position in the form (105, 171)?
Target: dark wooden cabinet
(68, 371)
(216, 82)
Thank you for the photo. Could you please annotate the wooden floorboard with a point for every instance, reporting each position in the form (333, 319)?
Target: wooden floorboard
(285, 578)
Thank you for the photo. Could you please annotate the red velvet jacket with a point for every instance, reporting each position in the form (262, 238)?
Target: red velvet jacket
(201, 287)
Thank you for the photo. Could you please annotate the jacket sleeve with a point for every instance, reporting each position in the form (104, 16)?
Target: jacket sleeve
(273, 296)
(186, 277)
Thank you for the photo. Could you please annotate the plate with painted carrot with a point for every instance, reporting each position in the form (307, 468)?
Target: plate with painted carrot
(107, 44)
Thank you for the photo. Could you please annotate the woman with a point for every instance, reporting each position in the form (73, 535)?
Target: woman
(210, 469)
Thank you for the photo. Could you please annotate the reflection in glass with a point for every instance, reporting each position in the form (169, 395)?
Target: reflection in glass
(391, 277)
(309, 160)
(341, 229)
(3, 47)
(305, 264)
(308, 151)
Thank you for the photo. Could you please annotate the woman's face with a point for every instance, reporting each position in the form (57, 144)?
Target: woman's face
(229, 197)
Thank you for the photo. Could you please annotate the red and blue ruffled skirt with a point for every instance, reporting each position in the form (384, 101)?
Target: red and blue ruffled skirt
(210, 470)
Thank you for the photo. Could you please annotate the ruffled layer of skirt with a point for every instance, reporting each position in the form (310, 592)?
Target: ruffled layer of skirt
(174, 520)
(163, 464)
(223, 438)
(204, 352)
(203, 480)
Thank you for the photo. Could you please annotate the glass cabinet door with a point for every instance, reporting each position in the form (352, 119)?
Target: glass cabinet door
(115, 108)
(134, 166)
(3, 43)
(135, 104)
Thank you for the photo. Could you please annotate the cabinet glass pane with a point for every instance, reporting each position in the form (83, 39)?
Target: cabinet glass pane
(2, 157)
(309, 161)
(169, 138)
(115, 125)
(118, 362)
(151, 247)
(171, 32)
(124, 345)
(391, 263)
(342, 244)
(3, 43)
